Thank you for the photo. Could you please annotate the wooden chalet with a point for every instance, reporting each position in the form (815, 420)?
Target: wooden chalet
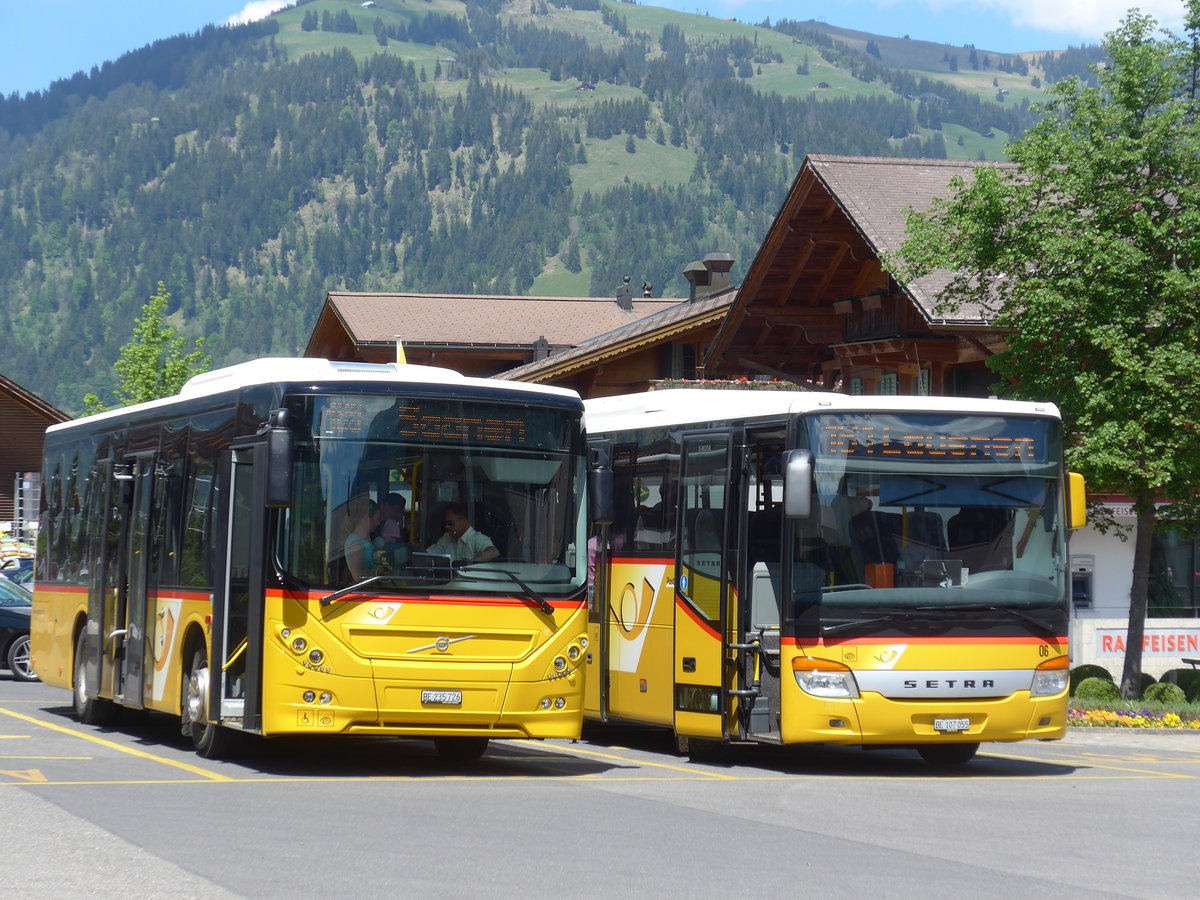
(24, 418)
(816, 306)
(475, 335)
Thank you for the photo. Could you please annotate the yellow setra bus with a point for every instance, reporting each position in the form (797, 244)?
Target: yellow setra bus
(220, 556)
(787, 567)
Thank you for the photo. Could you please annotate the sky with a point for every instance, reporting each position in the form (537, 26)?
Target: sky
(44, 41)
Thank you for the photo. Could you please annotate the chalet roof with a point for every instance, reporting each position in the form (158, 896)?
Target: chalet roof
(659, 327)
(32, 402)
(456, 320)
(875, 194)
(840, 215)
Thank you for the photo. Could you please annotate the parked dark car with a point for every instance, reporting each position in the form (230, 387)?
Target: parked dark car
(16, 606)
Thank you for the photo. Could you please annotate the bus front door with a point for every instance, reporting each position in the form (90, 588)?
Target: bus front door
(237, 630)
(704, 603)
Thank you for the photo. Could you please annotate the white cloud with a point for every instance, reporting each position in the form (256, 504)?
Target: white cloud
(1094, 17)
(255, 10)
(1090, 18)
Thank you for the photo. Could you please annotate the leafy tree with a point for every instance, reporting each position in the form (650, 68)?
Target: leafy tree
(1088, 249)
(153, 364)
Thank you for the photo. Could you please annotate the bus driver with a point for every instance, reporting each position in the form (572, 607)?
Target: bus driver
(462, 542)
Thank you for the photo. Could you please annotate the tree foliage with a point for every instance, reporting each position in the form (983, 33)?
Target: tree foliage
(153, 364)
(1088, 248)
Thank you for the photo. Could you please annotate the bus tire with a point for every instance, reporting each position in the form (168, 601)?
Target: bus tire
(88, 710)
(460, 749)
(703, 750)
(947, 754)
(212, 741)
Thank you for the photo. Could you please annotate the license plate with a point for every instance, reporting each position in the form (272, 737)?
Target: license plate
(442, 698)
(951, 724)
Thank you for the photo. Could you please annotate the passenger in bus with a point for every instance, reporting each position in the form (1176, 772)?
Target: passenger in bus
(392, 534)
(358, 547)
(462, 542)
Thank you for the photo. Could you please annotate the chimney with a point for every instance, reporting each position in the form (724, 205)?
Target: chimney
(697, 275)
(625, 295)
(718, 264)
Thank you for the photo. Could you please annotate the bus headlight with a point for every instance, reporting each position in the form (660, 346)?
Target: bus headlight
(824, 678)
(1050, 678)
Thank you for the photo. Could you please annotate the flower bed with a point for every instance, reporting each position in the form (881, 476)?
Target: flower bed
(1143, 718)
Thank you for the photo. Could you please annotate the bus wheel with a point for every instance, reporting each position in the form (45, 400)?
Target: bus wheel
(456, 749)
(702, 750)
(211, 740)
(88, 710)
(947, 754)
(19, 662)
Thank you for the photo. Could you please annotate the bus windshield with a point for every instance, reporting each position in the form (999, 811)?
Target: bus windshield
(932, 511)
(423, 493)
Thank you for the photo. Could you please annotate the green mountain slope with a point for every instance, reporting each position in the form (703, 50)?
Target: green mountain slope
(487, 146)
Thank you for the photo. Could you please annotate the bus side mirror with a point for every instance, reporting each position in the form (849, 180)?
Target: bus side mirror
(600, 482)
(1077, 499)
(281, 445)
(798, 484)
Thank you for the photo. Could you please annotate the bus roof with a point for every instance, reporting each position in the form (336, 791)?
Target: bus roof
(301, 370)
(684, 406)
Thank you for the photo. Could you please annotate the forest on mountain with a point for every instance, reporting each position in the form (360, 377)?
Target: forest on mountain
(436, 146)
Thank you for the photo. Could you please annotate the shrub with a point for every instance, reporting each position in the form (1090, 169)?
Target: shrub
(1188, 680)
(1079, 673)
(1164, 692)
(1096, 688)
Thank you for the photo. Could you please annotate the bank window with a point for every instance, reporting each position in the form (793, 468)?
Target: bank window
(1172, 576)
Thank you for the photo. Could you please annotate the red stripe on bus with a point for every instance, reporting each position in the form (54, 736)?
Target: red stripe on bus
(692, 614)
(444, 600)
(905, 639)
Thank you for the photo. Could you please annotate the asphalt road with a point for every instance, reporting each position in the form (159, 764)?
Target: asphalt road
(131, 812)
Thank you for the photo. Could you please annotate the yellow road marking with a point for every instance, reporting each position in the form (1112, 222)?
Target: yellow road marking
(13, 737)
(625, 759)
(31, 775)
(49, 757)
(1094, 762)
(187, 767)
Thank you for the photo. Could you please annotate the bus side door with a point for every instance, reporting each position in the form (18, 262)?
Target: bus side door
(703, 604)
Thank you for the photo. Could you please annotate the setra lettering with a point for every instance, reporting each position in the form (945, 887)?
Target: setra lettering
(932, 684)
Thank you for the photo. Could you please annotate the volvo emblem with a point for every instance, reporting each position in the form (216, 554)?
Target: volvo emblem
(442, 644)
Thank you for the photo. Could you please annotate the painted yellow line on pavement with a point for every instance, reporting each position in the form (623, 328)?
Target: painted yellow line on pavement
(49, 757)
(187, 767)
(575, 750)
(13, 737)
(1092, 763)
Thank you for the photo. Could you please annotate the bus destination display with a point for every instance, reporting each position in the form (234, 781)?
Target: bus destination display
(432, 421)
(1004, 440)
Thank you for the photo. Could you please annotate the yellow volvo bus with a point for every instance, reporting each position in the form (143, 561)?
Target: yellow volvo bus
(787, 567)
(218, 556)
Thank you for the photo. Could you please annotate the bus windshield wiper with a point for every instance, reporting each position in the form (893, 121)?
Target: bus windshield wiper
(1009, 611)
(357, 588)
(922, 614)
(530, 593)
